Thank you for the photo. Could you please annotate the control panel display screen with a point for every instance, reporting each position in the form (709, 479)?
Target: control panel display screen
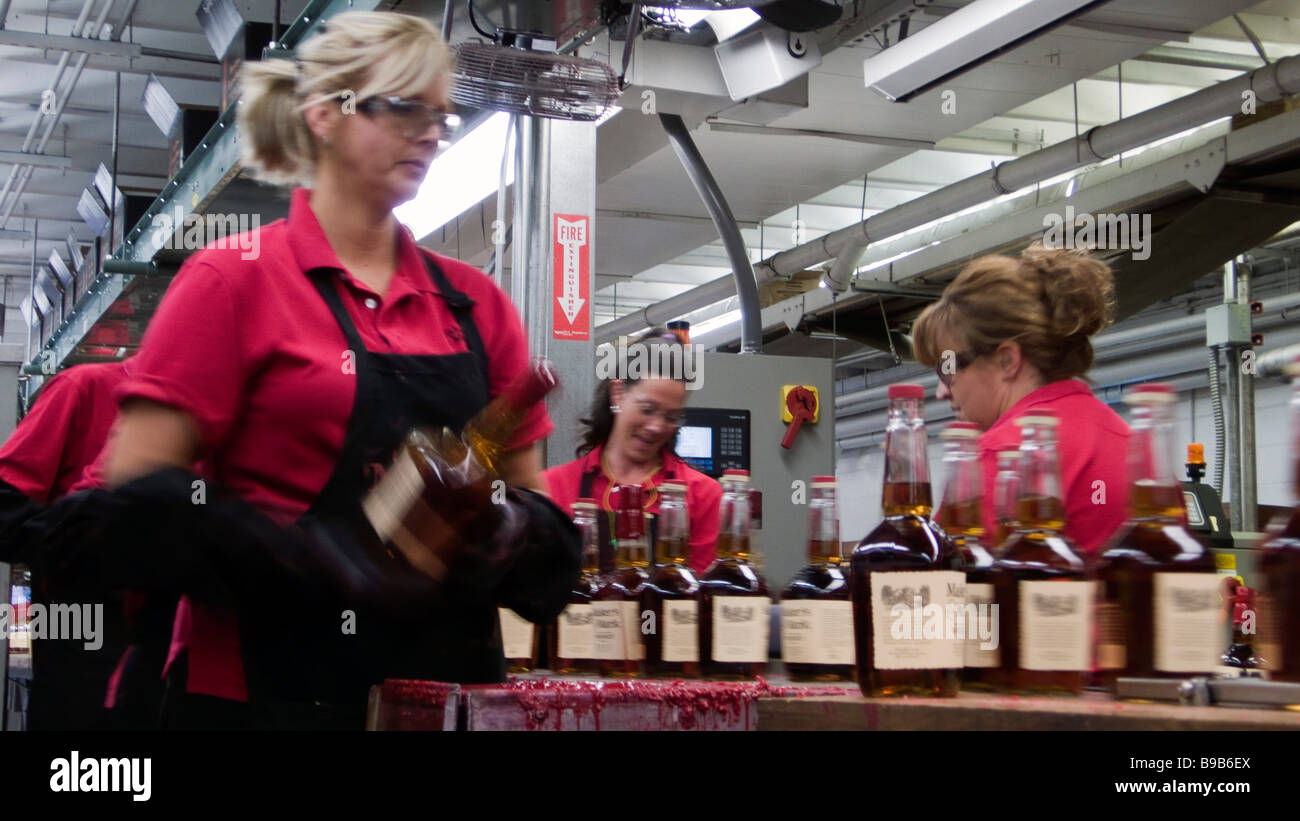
(714, 439)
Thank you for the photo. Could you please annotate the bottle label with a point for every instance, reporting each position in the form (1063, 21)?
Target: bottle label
(681, 630)
(817, 632)
(607, 630)
(1189, 637)
(978, 653)
(1055, 625)
(516, 634)
(1111, 652)
(575, 633)
(388, 502)
(631, 619)
(740, 628)
(910, 614)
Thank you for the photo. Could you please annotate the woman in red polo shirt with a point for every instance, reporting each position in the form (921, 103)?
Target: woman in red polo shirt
(288, 365)
(628, 439)
(1009, 336)
(40, 462)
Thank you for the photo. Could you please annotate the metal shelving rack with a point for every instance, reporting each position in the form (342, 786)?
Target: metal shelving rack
(210, 172)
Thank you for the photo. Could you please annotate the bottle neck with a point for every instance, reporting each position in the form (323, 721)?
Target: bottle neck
(488, 433)
(589, 532)
(823, 527)
(907, 472)
(733, 524)
(1039, 507)
(1157, 496)
(962, 511)
(672, 539)
(629, 529)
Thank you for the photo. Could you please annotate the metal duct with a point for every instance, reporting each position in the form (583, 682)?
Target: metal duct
(1102, 142)
(751, 320)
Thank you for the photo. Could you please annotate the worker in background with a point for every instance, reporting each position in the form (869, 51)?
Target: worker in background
(43, 458)
(1009, 336)
(285, 377)
(628, 439)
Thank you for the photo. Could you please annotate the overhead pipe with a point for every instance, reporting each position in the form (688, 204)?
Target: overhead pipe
(751, 319)
(1269, 83)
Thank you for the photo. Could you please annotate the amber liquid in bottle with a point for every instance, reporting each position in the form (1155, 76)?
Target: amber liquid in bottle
(962, 517)
(572, 630)
(1277, 605)
(672, 595)
(906, 541)
(437, 495)
(1154, 543)
(732, 575)
(816, 607)
(624, 586)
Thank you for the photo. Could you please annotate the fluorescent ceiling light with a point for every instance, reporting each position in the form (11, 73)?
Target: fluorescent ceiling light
(160, 105)
(460, 178)
(92, 212)
(220, 21)
(962, 40)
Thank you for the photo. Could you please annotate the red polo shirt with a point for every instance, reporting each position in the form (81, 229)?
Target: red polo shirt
(1093, 451)
(250, 350)
(64, 431)
(703, 496)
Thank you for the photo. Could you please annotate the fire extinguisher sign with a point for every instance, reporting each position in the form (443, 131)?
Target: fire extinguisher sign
(572, 310)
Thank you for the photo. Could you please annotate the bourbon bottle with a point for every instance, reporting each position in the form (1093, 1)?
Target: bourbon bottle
(1159, 592)
(1277, 610)
(816, 611)
(734, 612)
(518, 641)
(571, 650)
(617, 601)
(1044, 600)
(905, 572)
(1006, 491)
(438, 493)
(961, 516)
(672, 596)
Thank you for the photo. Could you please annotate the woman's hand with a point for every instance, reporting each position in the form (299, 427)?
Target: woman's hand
(149, 437)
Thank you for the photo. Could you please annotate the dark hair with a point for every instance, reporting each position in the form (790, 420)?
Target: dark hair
(1049, 300)
(600, 423)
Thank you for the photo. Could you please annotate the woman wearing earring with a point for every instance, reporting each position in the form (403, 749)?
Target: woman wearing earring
(628, 439)
(288, 380)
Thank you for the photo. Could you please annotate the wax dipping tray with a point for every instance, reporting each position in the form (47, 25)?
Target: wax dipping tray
(582, 704)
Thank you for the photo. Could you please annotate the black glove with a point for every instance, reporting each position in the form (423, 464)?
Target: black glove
(16, 508)
(529, 563)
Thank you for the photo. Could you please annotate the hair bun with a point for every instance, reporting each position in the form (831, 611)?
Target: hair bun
(1078, 290)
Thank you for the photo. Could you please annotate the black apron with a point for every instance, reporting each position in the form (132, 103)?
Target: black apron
(605, 517)
(300, 664)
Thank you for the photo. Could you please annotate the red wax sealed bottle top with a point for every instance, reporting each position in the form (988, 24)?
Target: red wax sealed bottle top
(823, 480)
(906, 392)
(735, 472)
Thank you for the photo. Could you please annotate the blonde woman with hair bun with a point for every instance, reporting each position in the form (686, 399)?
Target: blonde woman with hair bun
(288, 380)
(1012, 335)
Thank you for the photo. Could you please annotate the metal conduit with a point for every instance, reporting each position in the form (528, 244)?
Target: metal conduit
(1102, 142)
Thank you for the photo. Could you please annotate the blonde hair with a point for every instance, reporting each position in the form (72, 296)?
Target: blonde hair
(365, 53)
(1050, 301)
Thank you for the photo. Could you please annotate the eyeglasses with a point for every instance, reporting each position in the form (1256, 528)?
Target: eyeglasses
(673, 419)
(411, 117)
(960, 361)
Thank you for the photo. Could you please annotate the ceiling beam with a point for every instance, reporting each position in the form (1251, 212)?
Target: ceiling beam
(38, 160)
(162, 66)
